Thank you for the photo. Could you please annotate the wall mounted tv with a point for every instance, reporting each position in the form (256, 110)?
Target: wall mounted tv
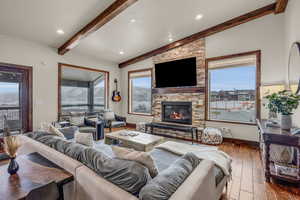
(178, 73)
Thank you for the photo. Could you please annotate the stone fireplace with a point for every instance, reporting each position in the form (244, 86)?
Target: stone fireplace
(177, 112)
(165, 108)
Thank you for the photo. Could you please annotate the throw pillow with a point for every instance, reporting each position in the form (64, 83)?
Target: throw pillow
(109, 115)
(44, 127)
(84, 138)
(169, 180)
(138, 156)
(77, 120)
(55, 131)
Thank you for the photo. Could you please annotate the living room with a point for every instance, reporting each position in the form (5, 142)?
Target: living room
(195, 74)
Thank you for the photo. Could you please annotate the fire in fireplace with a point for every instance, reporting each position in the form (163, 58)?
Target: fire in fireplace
(177, 112)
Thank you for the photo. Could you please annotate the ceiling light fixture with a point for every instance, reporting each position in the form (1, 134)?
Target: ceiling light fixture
(121, 52)
(199, 16)
(170, 39)
(60, 32)
(132, 20)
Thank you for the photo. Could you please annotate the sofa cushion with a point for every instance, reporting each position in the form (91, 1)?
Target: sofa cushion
(128, 175)
(166, 183)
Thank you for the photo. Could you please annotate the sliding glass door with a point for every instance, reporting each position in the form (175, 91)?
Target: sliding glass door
(9, 102)
(15, 97)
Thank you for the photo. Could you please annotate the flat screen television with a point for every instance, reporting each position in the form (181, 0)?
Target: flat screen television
(178, 73)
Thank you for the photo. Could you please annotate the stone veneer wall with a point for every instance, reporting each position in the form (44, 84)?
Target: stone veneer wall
(194, 49)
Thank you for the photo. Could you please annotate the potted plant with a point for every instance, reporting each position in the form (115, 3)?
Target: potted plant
(283, 102)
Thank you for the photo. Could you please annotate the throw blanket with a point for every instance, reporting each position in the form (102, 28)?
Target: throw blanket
(203, 152)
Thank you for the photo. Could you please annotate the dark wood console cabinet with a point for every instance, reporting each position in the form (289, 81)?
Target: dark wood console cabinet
(274, 135)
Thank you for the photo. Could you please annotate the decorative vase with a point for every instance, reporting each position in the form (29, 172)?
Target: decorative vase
(286, 122)
(13, 166)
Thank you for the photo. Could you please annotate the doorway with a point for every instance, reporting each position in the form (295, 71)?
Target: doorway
(16, 97)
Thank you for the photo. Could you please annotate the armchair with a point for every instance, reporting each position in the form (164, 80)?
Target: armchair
(87, 125)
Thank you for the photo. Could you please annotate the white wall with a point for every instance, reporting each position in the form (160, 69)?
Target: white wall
(292, 34)
(265, 34)
(18, 51)
(124, 88)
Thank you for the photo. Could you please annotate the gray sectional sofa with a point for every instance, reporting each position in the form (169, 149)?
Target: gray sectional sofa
(98, 175)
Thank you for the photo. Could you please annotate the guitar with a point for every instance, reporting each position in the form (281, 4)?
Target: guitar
(116, 97)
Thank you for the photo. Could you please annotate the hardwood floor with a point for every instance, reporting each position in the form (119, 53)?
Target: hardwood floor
(248, 179)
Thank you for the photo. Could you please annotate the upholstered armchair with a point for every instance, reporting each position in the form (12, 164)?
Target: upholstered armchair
(86, 125)
(112, 120)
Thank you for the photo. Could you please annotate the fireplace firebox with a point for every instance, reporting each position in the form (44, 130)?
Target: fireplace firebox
(177, 112)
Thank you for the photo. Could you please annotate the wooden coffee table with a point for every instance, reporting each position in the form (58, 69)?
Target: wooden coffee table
(141, 142)
(35, 171)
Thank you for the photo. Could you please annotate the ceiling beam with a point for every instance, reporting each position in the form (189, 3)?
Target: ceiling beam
(107, 15)
(210, 31)
(281, 6)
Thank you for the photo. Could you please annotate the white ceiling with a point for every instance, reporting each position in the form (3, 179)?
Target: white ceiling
(70, 73)
(38, 20)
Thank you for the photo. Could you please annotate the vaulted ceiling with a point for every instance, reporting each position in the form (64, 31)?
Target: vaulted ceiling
(144, 26)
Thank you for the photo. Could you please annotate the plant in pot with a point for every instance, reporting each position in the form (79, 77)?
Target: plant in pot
(283, 102)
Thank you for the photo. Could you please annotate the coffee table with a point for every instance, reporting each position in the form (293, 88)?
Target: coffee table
(141, 142)
(35, 171)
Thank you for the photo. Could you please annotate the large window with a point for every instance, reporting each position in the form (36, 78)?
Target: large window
(74, 98)
(232, 83)
(99, 94)
(140, 92)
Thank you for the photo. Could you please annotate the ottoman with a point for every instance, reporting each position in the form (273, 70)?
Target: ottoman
(211, 136)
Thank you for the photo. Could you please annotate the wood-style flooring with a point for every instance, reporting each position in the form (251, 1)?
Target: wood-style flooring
(248, 181)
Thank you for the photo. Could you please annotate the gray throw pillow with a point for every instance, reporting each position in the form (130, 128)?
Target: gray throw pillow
(168, 181)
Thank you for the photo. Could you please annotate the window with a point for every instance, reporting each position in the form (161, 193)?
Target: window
(232, 83)
(99, 94)
(74, 98)
(140, 92)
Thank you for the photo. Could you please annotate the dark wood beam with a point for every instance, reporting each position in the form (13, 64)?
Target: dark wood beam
(210, 31)
(107, 15)
(281, 6)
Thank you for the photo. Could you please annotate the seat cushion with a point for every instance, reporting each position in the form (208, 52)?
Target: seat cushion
(118, 124)
(87, 129)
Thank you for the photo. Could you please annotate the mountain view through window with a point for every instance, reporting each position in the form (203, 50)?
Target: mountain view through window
(232, 94)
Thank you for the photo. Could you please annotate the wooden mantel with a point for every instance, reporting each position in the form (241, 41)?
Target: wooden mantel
(172, 90)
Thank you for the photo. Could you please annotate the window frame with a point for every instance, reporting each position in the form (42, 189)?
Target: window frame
(129, 92)
(106, 92)
(257, 53)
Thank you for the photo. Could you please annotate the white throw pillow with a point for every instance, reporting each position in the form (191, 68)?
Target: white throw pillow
(138, 156)
(84, 139)
(77, 120)
(109, 115)
(55, 131)
(45, 127)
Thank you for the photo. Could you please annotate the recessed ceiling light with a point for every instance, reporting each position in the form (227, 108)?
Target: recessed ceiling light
(121, 52)
(199, 16)
(170, 39)
(132, 20)
(60, 32)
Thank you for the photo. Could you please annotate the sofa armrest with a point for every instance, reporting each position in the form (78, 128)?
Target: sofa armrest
(199, 185)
